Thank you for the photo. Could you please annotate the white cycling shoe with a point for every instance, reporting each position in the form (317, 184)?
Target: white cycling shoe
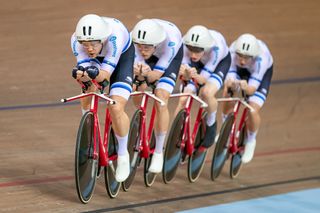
(248, 151)
(156, 163)
(123, 168)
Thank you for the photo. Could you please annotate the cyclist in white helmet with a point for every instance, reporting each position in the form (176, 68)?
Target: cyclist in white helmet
(205, 64)
(252, 64)
(104, 52)
(158, 57)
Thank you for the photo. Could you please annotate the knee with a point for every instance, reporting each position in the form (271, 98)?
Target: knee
(117, 109)
(164, 96)
(208, 91)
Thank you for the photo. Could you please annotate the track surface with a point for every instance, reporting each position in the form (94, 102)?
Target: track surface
(37, 134)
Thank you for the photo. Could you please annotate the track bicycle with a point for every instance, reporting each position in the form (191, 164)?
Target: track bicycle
(92, 153)
(185, 140)
(231, 137)
(141, 143)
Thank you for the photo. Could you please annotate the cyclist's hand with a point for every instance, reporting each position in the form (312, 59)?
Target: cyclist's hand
(231, 83)
(193, 72)
(137, 69)
(77, 72)
(145, 69)
(92, 71)
(154, 76)
(243, 84)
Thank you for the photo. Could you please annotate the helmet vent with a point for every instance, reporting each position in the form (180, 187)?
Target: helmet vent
(89, 30)
(143, 35)
(194, 37)
(244, 46)
(84, 30)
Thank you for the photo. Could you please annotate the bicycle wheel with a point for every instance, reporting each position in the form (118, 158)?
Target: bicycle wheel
(149, 177)
(221, 152)
(86, 166)
(133, 142)
(112, 185)
(173, 152)
(236, 162)
(198, 157)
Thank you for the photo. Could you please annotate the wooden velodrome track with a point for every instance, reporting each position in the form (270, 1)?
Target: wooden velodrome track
(37, 134)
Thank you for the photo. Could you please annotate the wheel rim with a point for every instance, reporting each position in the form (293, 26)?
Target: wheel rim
(197, 159)
(112, 185)
(149, 177)
(86, 166)
(236, 162)
(173, 151)
(134, 134)
(221, 150)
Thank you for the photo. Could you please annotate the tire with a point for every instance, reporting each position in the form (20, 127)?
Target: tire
(198, 157)
(86, 167)
(221, 152)
(112, 185)
(133, 145)
(173, 152)
(236, 162)
(149, 177)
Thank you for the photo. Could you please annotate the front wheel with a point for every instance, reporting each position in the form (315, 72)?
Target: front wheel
(86, 165)
(198, 157)
(173, 152)
(112, 185)
(236, 162)
(221, 152)
(133, 149)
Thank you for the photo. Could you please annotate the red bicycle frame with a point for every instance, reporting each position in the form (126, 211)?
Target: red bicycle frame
(145, 135)
(187, 137)
(103, 148)
(235, 131)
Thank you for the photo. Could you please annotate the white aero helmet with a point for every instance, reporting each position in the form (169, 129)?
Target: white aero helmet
(247, 44)
(199, 36)
(148, 31)
(92, 27)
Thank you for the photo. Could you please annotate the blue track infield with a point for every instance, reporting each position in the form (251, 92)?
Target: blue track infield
(294, 202)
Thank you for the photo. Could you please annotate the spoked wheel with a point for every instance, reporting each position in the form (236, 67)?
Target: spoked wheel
(149, 177)
(133, 149)
(221, 152)
(112, 185)
(198, 157)
(236, 162)
(173, 152)
(86, 166)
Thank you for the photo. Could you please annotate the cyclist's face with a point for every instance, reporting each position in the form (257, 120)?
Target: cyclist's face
(195, 53)
(93, 48)
(145, 50)
(195, 56)
(243, 60)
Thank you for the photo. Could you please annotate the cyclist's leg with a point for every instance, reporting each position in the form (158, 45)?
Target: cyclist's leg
(120, 89)
(253, 123)
(163, 90)
(208, 93)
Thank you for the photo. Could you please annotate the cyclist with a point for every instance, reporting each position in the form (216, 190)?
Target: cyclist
(251, 70)
(159, 53)
(206, 60)
(104, 52)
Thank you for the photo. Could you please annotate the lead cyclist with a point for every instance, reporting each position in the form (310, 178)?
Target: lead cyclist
(251, 70)
(104, 52)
